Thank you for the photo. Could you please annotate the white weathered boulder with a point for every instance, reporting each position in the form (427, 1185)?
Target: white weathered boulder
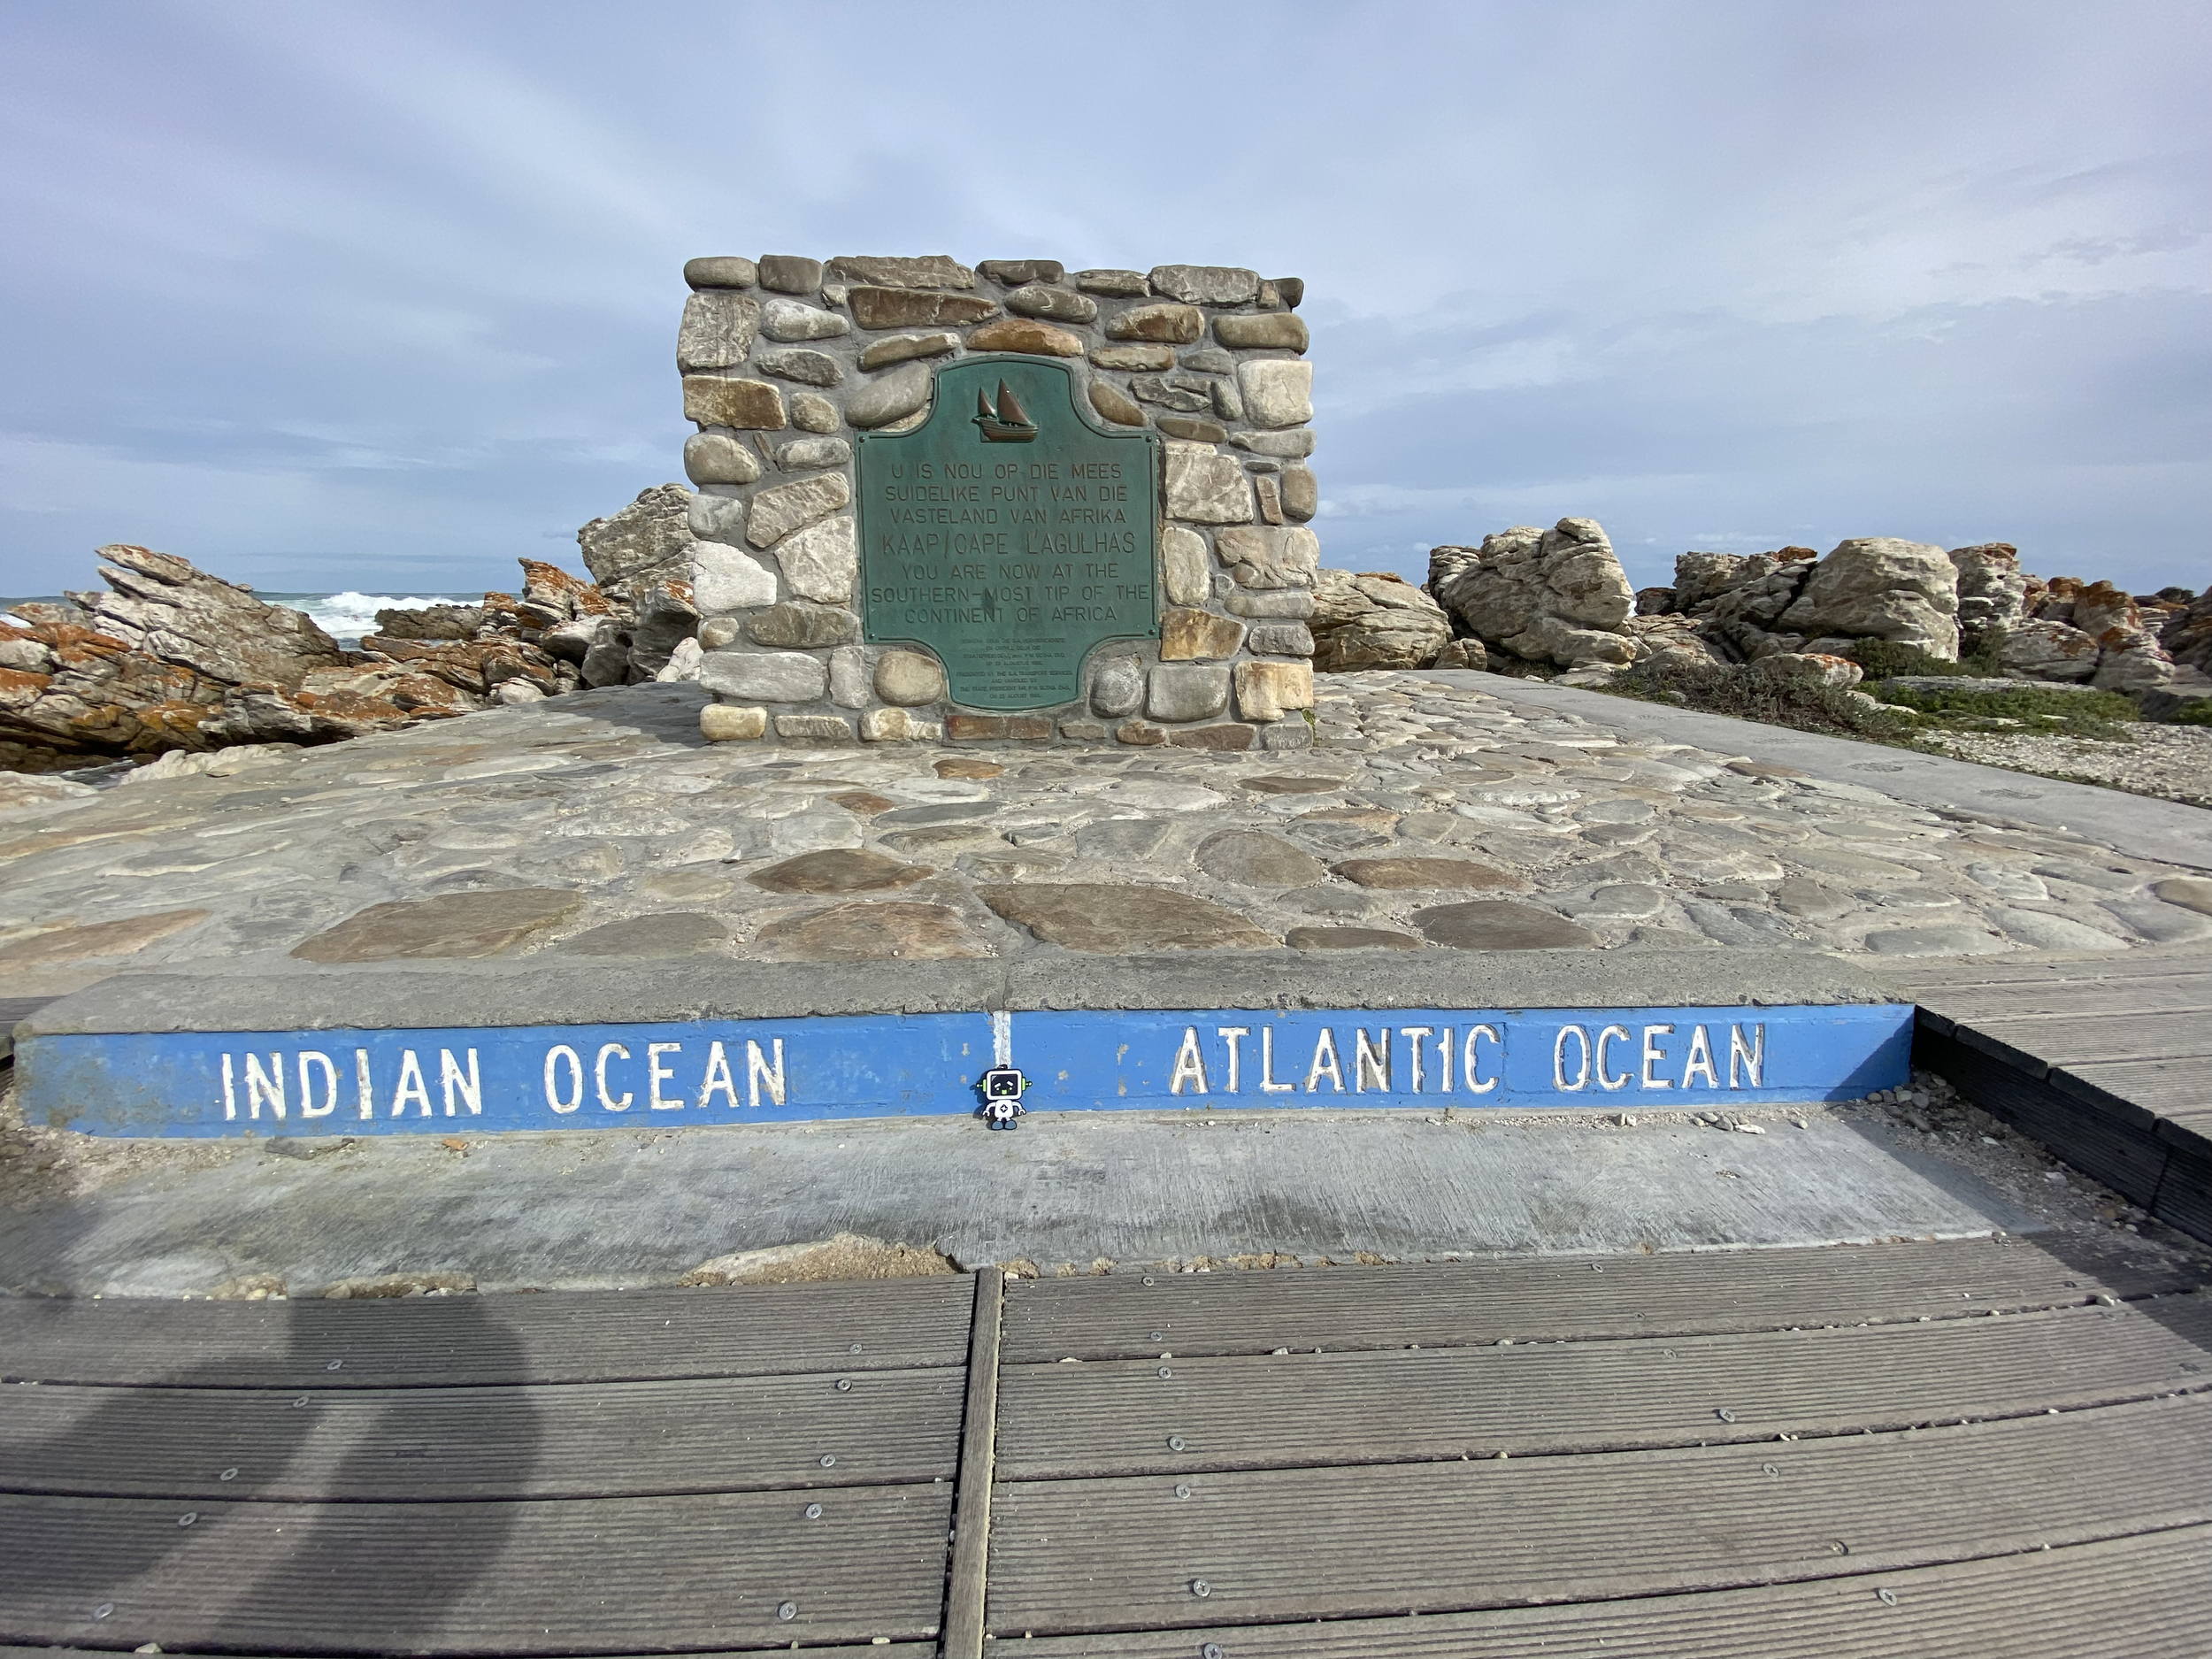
(1374, 620)
(1556, 596)
(648, 538)
(1206, 486)
(1670, 637)
(2100, 607)
(1183, 564)
(1811, 668)
(1702, 577)
(1992, 589)
(2049, 651)
(775, 513)
(2129, 660)
(1883, 589)
(717, 331)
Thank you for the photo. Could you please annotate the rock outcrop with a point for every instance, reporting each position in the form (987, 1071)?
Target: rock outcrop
(432, 622)
(1992, 591)
(167, 608)
(2049, 651)
(2187, 635)
(172, 659)
(648, 540)
(1556, 597)
(1556, 600)
(1744, 617)
(1878, 587)
(1374, 620)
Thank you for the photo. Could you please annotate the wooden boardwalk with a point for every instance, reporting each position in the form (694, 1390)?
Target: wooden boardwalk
(2107, 1062)
(1981, 1447)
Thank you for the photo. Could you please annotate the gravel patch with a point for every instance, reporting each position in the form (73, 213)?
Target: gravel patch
(2173, 762)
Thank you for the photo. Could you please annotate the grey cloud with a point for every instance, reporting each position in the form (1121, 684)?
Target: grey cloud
(307, 296)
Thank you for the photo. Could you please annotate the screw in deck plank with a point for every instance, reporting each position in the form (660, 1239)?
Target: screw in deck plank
(965, 1587)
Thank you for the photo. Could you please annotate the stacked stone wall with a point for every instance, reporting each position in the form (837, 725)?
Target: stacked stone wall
(786, 360)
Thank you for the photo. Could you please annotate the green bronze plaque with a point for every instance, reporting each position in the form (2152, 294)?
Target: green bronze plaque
(1008, 534)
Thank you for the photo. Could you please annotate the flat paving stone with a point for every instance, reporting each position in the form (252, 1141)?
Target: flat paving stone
(2191, 893)
(1426, 873)
(122, 937)
(1636, 900)
(1279, 785)
(1350, 939)
(1254, 859)
(1500, 924)
(950, 812)
(1107, 918)
(884, 931)
(839, 870)
(463, 924)
(666, 933)
(1931, 941)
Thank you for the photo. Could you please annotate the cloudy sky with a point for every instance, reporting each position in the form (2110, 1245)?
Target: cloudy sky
(381, 296)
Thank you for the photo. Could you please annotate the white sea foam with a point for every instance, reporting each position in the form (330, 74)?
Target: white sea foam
(346, 617)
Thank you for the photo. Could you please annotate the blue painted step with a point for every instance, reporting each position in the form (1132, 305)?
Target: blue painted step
(500, 1078)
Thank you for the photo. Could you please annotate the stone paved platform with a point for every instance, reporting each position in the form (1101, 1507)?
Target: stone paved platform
(1429, 817)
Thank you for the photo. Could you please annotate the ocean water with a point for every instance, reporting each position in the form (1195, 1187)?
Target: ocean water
(345, 615)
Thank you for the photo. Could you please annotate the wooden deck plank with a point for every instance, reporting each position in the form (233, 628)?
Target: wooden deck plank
(1367, 1541)
(2141, 1596)
(2189, 993)
(611, 1575)
(2161, 1088)
(1447, 1304)
(1984, 970)
(611, 1439)
(2094, 1038)
(572, 1336)
(1123, 1416)
(2189, 1126)
(967, 1580)
(893, 1651)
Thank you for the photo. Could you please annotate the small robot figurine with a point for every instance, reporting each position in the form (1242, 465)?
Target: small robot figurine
(1001, 1086)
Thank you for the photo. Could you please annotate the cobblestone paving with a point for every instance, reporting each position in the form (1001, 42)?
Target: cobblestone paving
(1425, 817)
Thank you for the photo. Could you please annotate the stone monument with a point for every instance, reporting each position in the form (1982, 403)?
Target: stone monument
(938, 502)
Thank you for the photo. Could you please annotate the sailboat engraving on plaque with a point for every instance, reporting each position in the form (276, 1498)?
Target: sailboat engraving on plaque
(1009, 422)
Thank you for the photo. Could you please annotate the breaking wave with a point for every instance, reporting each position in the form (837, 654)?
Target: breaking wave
(346, 617)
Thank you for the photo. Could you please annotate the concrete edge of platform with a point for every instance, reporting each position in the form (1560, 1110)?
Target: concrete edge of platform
(537, 992)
